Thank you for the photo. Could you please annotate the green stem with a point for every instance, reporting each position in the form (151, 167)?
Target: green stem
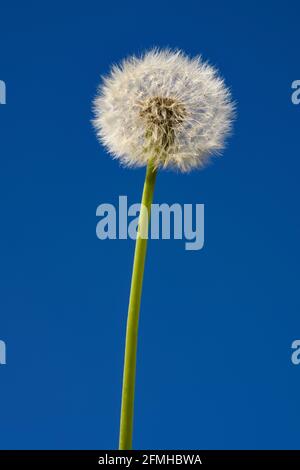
(127, 408)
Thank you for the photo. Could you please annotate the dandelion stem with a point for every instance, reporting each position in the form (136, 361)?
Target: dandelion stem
(127, 408)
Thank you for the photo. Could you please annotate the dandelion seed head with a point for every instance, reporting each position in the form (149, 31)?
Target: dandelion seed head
(166, 107)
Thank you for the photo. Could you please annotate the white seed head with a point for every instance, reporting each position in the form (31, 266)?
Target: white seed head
(166, 107)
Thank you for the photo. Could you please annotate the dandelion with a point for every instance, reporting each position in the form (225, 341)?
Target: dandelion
(163, 107)
(161, 110)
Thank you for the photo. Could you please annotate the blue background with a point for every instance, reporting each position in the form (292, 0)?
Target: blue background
(214, 359)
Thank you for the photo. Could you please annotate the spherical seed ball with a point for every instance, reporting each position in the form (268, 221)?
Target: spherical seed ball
(166, 107)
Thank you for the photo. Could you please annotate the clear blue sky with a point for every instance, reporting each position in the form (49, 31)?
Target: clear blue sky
(214, 368)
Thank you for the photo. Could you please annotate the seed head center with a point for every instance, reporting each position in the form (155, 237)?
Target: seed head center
(163, 112)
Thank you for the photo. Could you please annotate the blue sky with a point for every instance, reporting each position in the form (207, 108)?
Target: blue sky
(214, 368)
